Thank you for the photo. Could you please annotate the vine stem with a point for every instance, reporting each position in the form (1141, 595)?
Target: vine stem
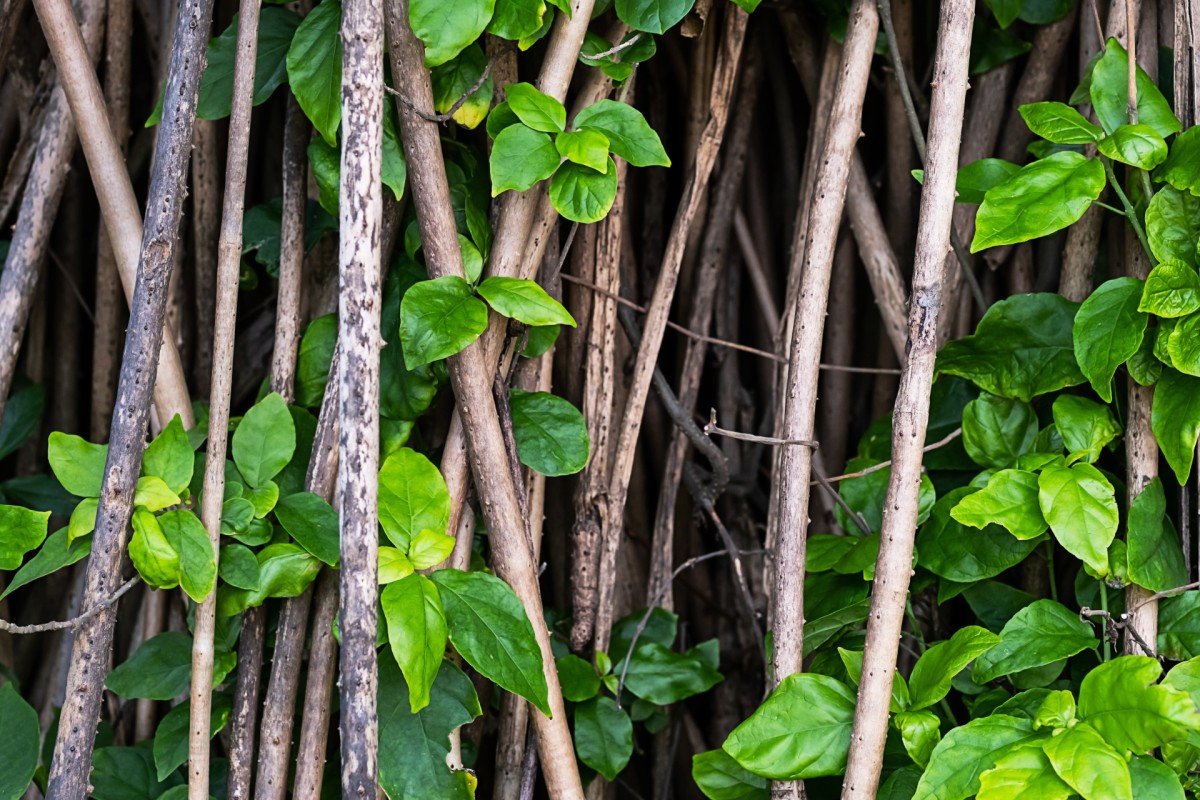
(1130, 212)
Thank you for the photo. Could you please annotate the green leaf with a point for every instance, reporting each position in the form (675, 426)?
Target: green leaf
(1089, 764)
(454, 79)
(1009, 499)
(313, 523)
(412, 497)
(152, 555)
(430, 548)
(239, 567)
(968, 751)
(285, 570)
(1039, 634)
(170, 457)
(261, 228)
(1108, 330)
(1080, 505)
(22, 414)
(1181, 167)
(394, 168)
(78, 464)
(722, 778)
(1043, 197)
(1175, 420)
(171, 736)
(1023, 772)
(438, 318)
(313, 360)
(539, 111)
(801, 731)
(264, 441)
(276, 28)
(128, 773)
(448, 26)
(153, 494)
(393, 565)
(618, 66)
(21, 530)
(629, 135)
(551, 434)
(581, 194)
(1179, 626)
(262, 498)
(951, 550)
(1059, 123)
(489, 629)
(1110, 95)
(1085, 426)
(1172, 290)
(1154, 779)
(930, 679)
(920, 731)
(413, 747)
(1006, 11)
(520, 158)
(500, 117)
(1184, 345)
(517, 19)
(652, 16)
(991, 47)
(1022, 348)
(1154, 552)
(1122, 701)
(19, 745)
(996, 430)
(1173, 225)
(663, 676)
(197, 564)
(976, 178)
(578, 678)
(524, 301)
(603, 736)
(325, 161)
(314, 68)
(55, 554)
(539, 339)
(588, 148)
(160, 669)
(1137, 145)
(417, 633)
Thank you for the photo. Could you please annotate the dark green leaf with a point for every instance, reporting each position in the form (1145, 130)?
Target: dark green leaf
(521, 156)
(1172, 290)
(438, 318)
(1173, 225)
(313, 523)
(996, 429)
(276, 27)
(1184, 345)
(1137, 145)
(314, 358)
(539, 111)
(160, 669)
(951, 550)
(1182, 167)
(517, 19)
(314, 68)
(1039, 634)
(1154, 553)
(663, 676)
(128, 773)
(1108, 330)
(1175, 419)
(578, 678)
(603, 736)
(1153, 779)
(170, 457)
(1086, 426)
(285, 570)
(551, 434)
(171, 736)
(239, 567)
(930, 679)
(722, 778)
(629, 135)
(197, 563)
(1006, 11)
(1179, 626)
(448, 26)
(581, 194)
(19, 745)
(652, 16)
(22, 413)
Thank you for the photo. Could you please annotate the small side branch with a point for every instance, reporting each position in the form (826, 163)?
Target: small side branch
(74, 622)
(711, 428)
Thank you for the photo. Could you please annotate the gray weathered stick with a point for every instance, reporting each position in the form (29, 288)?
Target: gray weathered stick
(910, 419)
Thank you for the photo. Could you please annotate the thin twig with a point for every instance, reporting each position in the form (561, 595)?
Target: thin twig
(450, 112)
(712, 428)
(950, 437)
(630, 42)
(62, 268)
(74, 622)
(1168, 593)
(859, 521)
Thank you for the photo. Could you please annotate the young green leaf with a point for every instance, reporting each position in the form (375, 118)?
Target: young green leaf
(581, 194)
(652, 16)
(153, 494)
(412, 497)
(603, 736)
(1175, 420)
(629, 135)
(931, 675)
(57, 552)
(1083, 759)
(539, 111)
(489, 629)
(417, 633)
(313, 523)
(1059, 123)
(455, 78)
(438, 318)
(393, 565)
(1172, 290)
(21, 530)
(1039, 634)
(1108, 330)
(587, 148)
(1024, 771)
(920, 731)
(524, 301)
(801, 731)
(500, 117)
(976, 178)
(1110, 94)
(1137, 145)
(197, 565)
(996, 430)
(1022, 348)
(1079, 504)
(448, 26)
(1122, 701)
(1086, 427)
(1173, 225)
(264, 441)
(722, 778)
(170, 457)
(551, 434)
(152, 555)
(968, 751)
(1043, 197)
(314, 68)
(413, 747)
(77, 463)
(1009, 499)
(429, 548)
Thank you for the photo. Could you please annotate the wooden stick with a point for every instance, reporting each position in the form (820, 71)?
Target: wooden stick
(910, 419)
